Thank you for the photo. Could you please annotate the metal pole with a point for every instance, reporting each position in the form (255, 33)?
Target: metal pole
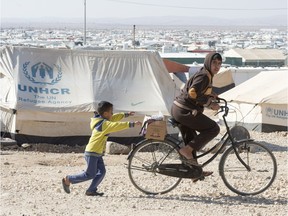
(84, 42)
(134, 36)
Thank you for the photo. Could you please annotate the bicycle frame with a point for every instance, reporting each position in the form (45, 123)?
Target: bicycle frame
(226, 137)
(156, 164)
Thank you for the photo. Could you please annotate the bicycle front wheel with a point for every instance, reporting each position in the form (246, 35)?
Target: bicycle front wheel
(143, 163)
(260, 175)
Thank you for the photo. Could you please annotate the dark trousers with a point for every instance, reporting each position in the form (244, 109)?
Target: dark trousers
(207, 128)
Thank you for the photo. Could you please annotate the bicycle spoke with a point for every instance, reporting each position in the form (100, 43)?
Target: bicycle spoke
(139, 168)
(262, 164)
(142, 160)
(144, 163)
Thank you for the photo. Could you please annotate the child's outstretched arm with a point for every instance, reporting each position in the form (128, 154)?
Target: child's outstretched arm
(110, 127)
(119, 116)
(136, 123)
(129, 114)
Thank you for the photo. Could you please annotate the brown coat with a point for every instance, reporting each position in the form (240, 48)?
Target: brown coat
(197, 89)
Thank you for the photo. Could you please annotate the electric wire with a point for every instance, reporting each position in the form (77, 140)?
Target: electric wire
(198, 8)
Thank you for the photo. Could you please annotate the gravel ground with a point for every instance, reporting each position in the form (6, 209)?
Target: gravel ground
(31, 185)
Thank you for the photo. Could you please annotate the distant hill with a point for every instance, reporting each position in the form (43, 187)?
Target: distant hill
(186, 20)
(275, 21)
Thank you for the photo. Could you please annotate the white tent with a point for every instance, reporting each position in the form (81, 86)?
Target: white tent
(51, 94)
(223, 80)
(261, 103)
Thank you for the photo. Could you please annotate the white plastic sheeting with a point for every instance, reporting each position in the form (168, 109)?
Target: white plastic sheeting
(261, 103)
(56, 91)
(76, 80)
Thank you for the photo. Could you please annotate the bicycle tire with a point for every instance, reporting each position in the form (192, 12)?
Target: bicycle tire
(241, 181)
(142, 161)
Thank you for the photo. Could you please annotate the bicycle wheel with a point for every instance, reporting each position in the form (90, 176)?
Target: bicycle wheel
(143, 163)
(237, 178)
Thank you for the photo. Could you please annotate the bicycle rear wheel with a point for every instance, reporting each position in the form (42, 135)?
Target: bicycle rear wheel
(143, 163)
(237, 178)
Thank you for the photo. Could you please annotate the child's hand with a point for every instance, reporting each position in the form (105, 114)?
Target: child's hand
(131, 113)
(138, 123)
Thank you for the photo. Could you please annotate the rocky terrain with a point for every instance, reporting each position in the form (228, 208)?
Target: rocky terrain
(31, 185)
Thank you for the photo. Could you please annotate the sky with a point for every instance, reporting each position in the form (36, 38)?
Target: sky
(141, 8)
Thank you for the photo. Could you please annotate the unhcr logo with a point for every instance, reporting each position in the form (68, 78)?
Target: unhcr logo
(269, 111)
(42, 73)
(276, 113)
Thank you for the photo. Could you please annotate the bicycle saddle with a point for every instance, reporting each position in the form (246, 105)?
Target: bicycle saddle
(173, 122)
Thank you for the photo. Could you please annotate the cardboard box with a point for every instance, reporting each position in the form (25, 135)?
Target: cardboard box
(156, 130)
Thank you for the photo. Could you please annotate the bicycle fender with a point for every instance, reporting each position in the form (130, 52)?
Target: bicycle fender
(133, 147)
(243, 140)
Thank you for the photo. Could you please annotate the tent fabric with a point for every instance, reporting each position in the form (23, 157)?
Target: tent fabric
(76, 80)
(266, 87)
(223, 81)
(50, 93)
(223, 78)
(261, 102)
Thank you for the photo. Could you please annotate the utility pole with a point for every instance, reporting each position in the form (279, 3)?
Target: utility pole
(84, 40)
(134, 42)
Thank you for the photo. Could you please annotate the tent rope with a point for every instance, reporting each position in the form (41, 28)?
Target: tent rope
(249, 112)
(243, 117)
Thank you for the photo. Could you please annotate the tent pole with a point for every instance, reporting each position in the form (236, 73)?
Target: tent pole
(84, 40)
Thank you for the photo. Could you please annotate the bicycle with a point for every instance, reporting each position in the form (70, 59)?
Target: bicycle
(155, 166)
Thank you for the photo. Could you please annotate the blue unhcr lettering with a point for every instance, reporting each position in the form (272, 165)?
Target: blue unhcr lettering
(53, 91)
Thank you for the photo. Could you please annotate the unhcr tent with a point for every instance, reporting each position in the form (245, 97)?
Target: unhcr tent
(49, 95)
(261, 103)
(223, 81)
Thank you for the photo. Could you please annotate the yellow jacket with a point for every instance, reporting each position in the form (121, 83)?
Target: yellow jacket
(101, 128)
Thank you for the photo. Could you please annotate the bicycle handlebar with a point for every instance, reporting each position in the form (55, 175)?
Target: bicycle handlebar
(224, 108)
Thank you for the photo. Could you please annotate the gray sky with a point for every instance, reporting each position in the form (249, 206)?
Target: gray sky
(139, 8)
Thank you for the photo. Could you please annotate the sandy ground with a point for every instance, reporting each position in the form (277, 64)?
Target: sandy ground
(31, 185)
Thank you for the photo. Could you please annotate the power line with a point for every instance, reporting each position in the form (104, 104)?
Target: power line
(198, 8)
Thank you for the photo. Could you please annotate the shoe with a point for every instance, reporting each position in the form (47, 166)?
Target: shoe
(189, 162)
(204, 174)
(94, 193)
(65, 186)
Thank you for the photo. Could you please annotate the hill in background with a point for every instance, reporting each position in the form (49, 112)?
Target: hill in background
(275, 21)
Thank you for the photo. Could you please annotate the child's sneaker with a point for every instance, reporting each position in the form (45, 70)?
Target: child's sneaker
(65, 186)
(94, 193)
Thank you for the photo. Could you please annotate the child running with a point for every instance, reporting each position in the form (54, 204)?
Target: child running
(104, 123)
